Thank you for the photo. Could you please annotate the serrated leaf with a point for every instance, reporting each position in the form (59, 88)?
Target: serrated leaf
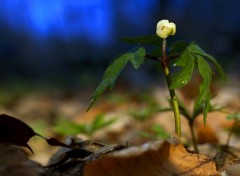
(215, 63)
(186, 61)
(196, 50)
(206, 74)
(147, 39)
(113, 71)
(110, 76)
(204, 89)
(138, 58)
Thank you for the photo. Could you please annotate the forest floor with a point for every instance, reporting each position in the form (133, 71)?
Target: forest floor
(130, 118)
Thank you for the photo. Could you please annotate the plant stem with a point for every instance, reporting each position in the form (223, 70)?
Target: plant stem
(194, 142)
(174, 102)
(231, 131)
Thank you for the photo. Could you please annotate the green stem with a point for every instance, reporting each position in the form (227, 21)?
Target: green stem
(174, 102)
(194, 141)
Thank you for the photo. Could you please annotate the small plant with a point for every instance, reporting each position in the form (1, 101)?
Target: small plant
(156, 132)
(143, 113)
(67, 127)
(186, 56)
(147, 108)
(191, 116)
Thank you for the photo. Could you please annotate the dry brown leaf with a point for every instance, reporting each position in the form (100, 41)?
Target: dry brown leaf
(154, 158)
(16, 132)
(227, 163)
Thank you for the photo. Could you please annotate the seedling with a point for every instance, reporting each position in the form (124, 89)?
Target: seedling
(156, 132)
(143, 113)
(186, 56)
(67, 127)
(148, 108)
(192, 116)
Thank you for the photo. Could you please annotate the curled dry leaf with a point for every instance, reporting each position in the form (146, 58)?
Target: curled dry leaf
(14, 131)
(81, 152)
(155, 158)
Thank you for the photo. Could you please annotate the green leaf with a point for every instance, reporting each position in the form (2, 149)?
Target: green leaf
(215, 63)
(206, 73)
(138, 58)
(67, 127)
(159, 131)
(204, 94)
(143, 113)
(186, 61)
(213, 108)
(147, 39)
(112, 72)
(234, 116)
(98, 123)
(207, 106)
(196, 50)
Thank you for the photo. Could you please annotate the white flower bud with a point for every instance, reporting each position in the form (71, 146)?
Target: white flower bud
(164, 29)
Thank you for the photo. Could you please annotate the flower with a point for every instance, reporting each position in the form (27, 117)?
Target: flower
(164, 29)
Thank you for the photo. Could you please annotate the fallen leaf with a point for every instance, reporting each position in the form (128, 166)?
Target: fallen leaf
(14, 131)
(155, 158)
(82, 151)
(224, 160)
(55, 142)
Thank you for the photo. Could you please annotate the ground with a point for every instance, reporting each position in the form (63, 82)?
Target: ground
(133, 119)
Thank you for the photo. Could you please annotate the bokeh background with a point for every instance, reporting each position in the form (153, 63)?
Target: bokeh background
(53, 54)
(70, 42)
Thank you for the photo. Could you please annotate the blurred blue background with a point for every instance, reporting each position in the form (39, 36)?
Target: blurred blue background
(72, 41)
